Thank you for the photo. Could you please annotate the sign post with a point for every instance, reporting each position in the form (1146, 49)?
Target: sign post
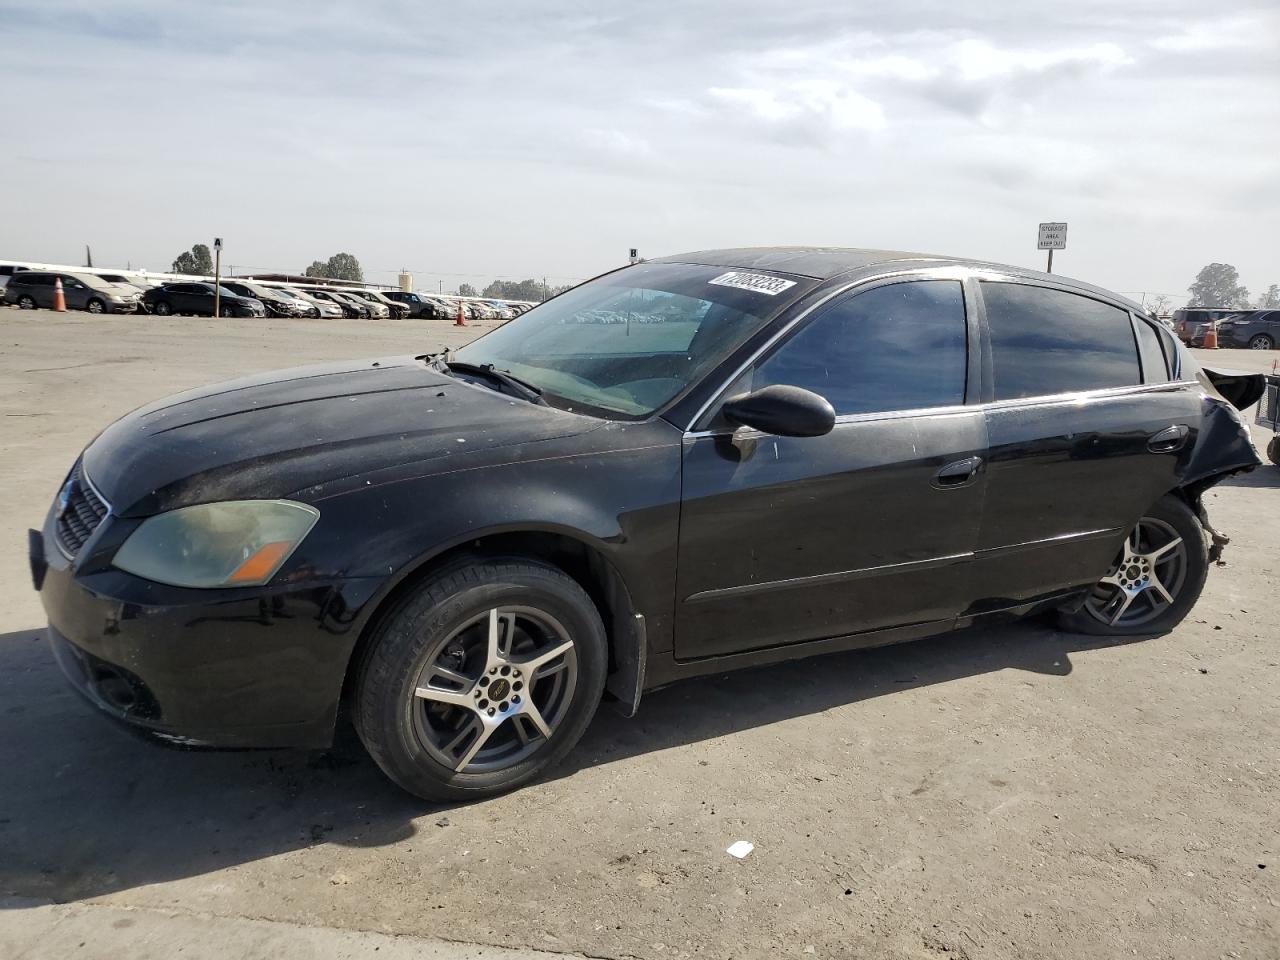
(218, 275)
(1053, 236)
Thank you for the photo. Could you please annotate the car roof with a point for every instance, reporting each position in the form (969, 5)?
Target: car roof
(819, 263)
(827, 263)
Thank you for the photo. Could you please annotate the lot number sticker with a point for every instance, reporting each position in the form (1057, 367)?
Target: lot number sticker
(759, 282)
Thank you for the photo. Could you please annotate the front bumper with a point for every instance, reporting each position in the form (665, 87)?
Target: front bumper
(257, 667)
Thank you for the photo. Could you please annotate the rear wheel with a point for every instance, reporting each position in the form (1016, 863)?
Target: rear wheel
(1273, 450)
(1261, 342)
(481, 680)
(163, 308)
(1155, 580)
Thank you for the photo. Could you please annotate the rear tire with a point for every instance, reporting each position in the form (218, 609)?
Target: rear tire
(1171, 557)
(1261, 342)
(1273, 450)
(482, 679)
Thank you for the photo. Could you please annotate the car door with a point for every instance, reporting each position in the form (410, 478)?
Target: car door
(180, 297)
(41, 288)
(784, 540)
(1085, 430)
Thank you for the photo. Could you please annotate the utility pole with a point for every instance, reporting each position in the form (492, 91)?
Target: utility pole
(217, 276)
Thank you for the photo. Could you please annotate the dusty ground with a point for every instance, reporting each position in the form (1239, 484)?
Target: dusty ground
(1000, 793)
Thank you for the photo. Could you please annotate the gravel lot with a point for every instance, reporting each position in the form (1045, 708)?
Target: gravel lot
(999, 793)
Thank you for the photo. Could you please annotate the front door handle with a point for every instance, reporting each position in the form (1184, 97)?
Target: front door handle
(1168, 439)
(959, 473)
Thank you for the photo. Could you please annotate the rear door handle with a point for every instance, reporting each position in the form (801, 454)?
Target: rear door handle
(959, 473)
(1168, 439)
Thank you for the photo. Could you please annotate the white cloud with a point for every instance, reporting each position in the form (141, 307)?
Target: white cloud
(1228, 34)
(829, 103)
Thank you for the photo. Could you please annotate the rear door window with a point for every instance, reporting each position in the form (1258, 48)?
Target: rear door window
(901, 346)
(1046, 341)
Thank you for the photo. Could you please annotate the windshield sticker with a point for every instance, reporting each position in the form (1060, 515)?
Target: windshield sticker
(759, 282)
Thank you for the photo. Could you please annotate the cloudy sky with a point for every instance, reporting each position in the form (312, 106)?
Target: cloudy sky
(513, 138)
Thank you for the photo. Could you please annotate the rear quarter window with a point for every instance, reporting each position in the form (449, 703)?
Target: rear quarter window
(1155, 367)
(1046, 341)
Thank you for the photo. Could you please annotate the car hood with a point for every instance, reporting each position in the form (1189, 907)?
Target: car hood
(271, 435)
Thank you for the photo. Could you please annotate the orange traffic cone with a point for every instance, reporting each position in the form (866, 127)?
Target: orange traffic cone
(59, 298)
(1211, 337)
(462, 316)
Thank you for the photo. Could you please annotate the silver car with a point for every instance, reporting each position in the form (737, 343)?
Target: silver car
(31, 289)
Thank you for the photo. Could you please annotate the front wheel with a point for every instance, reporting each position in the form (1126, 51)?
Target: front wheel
(1155, 580)
(26, 303)
(1261, 342)
(163, 309)
(1273, 450)
(226, 312)
(96, 306)
(481, 680)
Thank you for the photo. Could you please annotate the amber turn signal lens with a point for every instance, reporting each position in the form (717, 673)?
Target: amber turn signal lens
(260, 565)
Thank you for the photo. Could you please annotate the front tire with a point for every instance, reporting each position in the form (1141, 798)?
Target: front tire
(1261, 342)
(1156, 578)
(96, 306)
(482, 679)
(26, 303)
(163, 309)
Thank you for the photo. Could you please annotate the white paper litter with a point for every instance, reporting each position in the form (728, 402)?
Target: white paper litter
(740, 849)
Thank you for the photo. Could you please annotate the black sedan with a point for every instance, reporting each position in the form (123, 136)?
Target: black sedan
(1259, 330)
(197, 299)
(717, 460)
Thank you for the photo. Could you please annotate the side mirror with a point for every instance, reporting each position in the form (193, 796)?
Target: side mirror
(783, 411)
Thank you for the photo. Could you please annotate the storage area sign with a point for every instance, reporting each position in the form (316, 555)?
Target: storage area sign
(1053, 236)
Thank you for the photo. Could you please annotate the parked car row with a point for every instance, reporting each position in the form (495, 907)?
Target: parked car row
(1252, 329)
(441, 308)
(1257, 330)
(121, 293)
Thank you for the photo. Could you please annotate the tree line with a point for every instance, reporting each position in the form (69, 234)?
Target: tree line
(344, 266)
(1218, 285)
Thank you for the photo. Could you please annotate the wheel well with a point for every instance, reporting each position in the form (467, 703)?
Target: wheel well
(580, 561)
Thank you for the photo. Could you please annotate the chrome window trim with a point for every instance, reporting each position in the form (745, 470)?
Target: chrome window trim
(1077, 398)
(959, 274)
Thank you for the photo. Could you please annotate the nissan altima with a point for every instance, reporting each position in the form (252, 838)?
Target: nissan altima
(715, 460)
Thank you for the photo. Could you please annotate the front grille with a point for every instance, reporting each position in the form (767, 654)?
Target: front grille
(80, 510)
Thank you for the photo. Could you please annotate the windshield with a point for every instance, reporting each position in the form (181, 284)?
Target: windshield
(261, 292)
(628, 342)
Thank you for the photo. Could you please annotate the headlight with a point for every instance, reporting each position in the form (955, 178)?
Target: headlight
(238, 543)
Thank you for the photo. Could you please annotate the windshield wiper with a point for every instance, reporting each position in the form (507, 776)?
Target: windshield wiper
(521, 388)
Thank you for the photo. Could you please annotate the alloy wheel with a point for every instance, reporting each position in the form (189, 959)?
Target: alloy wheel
(26, 303)
(1260, 342)
(1146, 578)
(94, 306)
(494, 691)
